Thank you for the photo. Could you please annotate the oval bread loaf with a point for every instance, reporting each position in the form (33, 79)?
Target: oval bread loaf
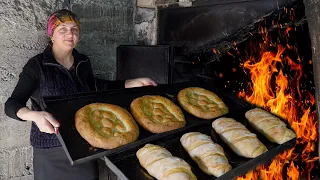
(208, 155)
(238, 137)
(160, 164)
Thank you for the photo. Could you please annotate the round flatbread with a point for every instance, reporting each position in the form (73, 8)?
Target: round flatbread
(157, 114)
(201, 103)
(106, 125)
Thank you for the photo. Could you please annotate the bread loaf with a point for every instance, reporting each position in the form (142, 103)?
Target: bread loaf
(157, 114)
(209, 156)
(106, 126)
(269, 125)
(202, 103)
(160, 164)
(238, 137)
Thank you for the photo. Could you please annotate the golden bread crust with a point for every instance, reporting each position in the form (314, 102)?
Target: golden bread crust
(160, 164)
(202, 103)
(106, 125)
(238, 137)
(208, 155)
(157, 114)
(269, 125)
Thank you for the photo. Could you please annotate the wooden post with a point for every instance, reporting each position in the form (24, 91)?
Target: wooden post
(312, 10)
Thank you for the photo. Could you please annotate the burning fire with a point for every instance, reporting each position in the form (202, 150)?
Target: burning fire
(279, 92)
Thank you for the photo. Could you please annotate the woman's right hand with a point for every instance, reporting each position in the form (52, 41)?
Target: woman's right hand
(44, 120)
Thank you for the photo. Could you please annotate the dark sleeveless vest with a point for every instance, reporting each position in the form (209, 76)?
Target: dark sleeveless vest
(55, 80)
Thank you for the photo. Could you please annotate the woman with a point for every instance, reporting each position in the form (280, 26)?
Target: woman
(59, 70)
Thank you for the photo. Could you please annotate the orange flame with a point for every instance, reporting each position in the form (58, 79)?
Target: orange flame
(249, 175)
(293, 172)
(270, 89)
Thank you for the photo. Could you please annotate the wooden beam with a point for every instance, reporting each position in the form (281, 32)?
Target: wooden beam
(312, 10)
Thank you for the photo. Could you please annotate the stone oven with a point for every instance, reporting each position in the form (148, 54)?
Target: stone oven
(265, 52)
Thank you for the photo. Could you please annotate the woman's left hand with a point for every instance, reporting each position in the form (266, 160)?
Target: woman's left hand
(138, 82)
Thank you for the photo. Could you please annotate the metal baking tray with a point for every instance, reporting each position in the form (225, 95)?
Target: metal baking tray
(79, 151)
(126, 165)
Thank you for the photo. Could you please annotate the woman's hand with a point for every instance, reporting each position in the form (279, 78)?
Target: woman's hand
(138, 82)
(44, 120)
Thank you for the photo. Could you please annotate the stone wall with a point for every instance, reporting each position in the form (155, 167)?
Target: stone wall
(105, 25)
(146, 23)
(146, 26)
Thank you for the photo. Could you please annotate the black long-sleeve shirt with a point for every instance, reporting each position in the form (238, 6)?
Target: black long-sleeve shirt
(43, 77)
(29, 82)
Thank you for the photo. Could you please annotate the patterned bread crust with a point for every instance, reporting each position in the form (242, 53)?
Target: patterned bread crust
(160, 164)
(208, 155)
(105, 125)
(201, 103)
(269, 125)
(157, 114)
(238, 138)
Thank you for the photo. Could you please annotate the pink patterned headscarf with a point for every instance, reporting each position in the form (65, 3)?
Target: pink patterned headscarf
(60, 17)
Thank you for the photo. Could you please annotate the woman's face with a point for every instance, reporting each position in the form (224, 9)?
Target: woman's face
(66, 36)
